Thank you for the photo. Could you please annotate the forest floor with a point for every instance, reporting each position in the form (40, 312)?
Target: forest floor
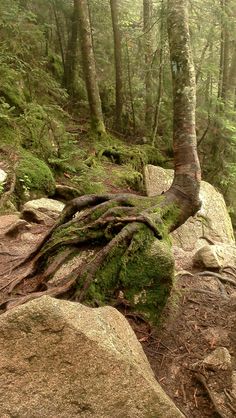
(196, 321)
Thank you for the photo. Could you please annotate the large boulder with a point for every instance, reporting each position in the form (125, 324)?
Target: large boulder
(212, 222)
(62, 359)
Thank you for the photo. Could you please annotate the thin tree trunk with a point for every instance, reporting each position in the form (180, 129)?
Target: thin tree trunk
(130, 87)
(89, 67)
(232, 80)
(160, 78)
(59, 35)
(118, 64)
(71, 53)
(207, 45)
(224, 53)
(187, 168)
(148, 54)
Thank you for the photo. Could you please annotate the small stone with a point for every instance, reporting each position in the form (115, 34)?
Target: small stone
(66, 192)
(219, 359)
(19, 226)
(215, 256)
(3, 176)
(35, 216)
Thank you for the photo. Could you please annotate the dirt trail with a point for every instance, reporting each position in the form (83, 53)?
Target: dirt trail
(197, 320)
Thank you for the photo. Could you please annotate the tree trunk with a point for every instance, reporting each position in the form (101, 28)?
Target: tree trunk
(71, 53)
(224, 52)
(89, 67)
(187, 168)
(59, 34)
(160, 78)
(118, 64)
(232, 80)
(148, 54)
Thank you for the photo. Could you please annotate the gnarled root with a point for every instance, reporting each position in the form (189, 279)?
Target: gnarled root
(122, 228)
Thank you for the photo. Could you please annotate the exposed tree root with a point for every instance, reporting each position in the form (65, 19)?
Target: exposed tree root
(111, 223)
(218, 276)
(201, 378)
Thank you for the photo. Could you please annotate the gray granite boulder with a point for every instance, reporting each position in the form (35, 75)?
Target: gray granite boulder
(62, 359)
(212, 222)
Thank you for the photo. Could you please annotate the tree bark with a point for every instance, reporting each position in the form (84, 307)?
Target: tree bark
(118, 64)
(89, 67)
(187, 168)
(160, 78)
(224, 52)
(148, 54)
(232, 80)
(59, 34)
(71, 53)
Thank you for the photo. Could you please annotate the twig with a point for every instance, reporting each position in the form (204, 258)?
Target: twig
(195, 398)
(231, 407)
(183, 273)
(184, 392)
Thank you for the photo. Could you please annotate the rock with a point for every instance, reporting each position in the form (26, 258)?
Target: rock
(219, 359)
(212, 222)
(216, 256)
(50, 207)
(17, 227)
(6, 221)
(3, 176)
(35, 216)
(62, 359)
(66, 192)
(29, 237)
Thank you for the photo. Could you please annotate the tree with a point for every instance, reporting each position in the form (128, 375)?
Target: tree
(148, 39)
(71, 52)
(89, 67)
(118, 64)
(129, 232)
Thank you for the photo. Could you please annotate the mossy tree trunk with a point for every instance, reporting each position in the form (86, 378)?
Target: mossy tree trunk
(129, 233)
(89, 67)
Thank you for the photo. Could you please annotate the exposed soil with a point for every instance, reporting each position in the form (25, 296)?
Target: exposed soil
(193, 325)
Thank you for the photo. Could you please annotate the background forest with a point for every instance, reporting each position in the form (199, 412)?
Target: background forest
(47, 127)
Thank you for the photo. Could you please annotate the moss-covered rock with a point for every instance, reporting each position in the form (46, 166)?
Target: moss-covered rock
(34, 177)
(143, 272)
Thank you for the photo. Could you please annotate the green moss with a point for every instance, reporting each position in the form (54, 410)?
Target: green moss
(135, 156)
(9, 137)
(147, 273)
(128, 177)
(34, 177)
(144, 271)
